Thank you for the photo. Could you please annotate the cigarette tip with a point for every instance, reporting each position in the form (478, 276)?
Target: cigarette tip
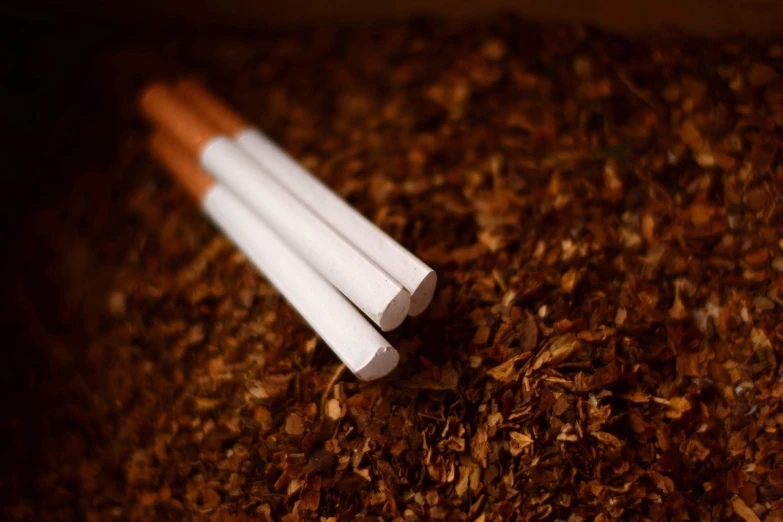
(422, 296)
(396, 312)
(382, 364)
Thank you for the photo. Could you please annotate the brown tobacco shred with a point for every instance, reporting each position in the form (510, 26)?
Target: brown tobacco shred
(605, 219)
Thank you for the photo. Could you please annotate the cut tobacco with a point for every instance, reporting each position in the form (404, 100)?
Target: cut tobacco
(604, 216)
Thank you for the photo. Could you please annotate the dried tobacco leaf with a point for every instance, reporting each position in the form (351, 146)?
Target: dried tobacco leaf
(743, 511)
(604, 218)
(559, 350)
(449, 379)
(507, 371)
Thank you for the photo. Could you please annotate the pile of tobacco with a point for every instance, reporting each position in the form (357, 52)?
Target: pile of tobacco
(605, 219)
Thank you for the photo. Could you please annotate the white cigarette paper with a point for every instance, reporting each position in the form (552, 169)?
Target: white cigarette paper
(414, 275)
(363, 350)
(368, 286)
(360, 279)
(418, 278)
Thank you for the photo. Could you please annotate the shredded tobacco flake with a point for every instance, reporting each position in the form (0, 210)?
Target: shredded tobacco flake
(605, 219)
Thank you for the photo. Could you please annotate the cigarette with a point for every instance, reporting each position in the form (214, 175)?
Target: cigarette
(355, 341)
(415, 276)
(360, 279)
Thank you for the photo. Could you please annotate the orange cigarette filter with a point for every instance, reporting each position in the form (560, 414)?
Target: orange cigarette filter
(164, 108)
(181, 165)
(211, 107)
